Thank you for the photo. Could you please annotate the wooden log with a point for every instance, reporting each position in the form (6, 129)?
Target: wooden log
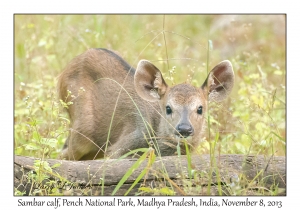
(225, 175)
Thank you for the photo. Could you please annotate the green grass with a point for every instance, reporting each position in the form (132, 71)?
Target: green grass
(251, 121)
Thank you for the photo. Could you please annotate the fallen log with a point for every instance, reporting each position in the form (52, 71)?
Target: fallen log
(171, 175)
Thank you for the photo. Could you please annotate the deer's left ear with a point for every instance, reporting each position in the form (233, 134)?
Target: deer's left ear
(219, 82)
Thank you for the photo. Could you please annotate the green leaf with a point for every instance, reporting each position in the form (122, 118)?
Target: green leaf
(31, 146)
(166, 191)
(38, 164)
(142, 174)
(18, 150)
(56, 165)
(131, 170)
(36, 135)
(49, 142)
(146, 189)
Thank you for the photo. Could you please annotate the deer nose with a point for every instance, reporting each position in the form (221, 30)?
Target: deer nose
(184, 130)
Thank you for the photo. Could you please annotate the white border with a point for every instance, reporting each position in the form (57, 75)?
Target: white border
(154, 6)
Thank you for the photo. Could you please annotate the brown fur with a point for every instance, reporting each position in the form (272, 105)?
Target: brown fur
(102, 73)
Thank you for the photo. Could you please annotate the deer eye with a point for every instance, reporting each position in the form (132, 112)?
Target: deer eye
(199, 110)
(168, 110)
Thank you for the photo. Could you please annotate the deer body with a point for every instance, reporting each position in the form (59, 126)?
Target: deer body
(107, 122)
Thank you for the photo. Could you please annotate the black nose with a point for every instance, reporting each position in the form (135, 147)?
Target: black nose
(184, 130)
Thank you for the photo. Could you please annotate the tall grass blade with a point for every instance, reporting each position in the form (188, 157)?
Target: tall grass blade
(189, 159)
(131, 170)
(143, 173)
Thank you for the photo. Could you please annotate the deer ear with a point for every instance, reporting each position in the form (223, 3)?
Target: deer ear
(148, 81)
(219, 82)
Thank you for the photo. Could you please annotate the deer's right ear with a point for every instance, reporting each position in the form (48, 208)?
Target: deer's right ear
(148, 81)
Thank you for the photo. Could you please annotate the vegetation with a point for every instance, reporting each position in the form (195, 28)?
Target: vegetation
(184, 47)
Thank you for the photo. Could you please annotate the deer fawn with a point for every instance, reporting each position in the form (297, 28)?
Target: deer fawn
(107, 122)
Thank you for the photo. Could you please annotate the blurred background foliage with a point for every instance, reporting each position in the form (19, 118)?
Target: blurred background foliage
(184, 47)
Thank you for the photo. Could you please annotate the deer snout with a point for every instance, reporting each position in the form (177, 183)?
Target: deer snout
(184, 130)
